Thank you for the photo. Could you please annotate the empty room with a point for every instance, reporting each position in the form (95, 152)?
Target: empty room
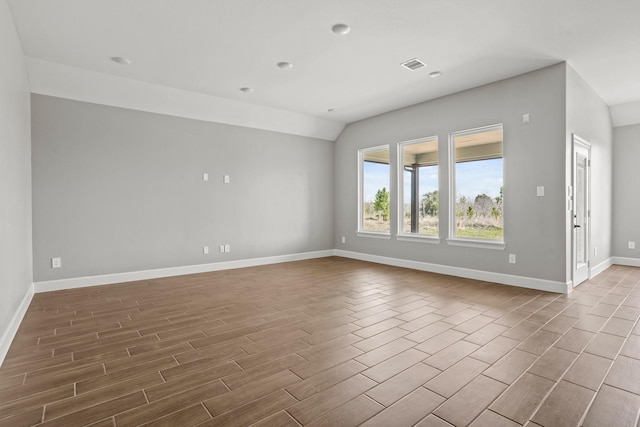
(319, 213)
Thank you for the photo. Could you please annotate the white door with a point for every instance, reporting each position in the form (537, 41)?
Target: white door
(581, 210)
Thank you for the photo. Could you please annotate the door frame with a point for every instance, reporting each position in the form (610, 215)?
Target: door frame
(583, 145)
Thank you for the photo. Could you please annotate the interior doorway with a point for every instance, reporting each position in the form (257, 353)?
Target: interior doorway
(581, 210)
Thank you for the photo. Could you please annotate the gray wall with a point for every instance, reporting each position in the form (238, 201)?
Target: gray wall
(534, 155)
(15, 173)
(117, 190)
(589, 118)
(626, 196)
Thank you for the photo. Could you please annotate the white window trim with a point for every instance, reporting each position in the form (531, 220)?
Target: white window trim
(361, 231)
(464, 241)
(400, 205)
(477, 243)
(418, 238)
(374, 234)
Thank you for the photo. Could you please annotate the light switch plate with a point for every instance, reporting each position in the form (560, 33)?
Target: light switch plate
(540, 191)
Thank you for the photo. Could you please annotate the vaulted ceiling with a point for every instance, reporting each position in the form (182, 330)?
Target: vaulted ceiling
(216, 47)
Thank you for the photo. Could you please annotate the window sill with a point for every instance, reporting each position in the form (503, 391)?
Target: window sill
(477, 243)
(419, 238)
(373, 234)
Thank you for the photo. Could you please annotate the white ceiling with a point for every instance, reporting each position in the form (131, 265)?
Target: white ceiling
(215, 47)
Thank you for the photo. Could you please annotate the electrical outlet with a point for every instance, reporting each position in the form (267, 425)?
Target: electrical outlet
(595, 251)
(344, 239)
(526, 118)
(512, 258)
(227, 248)
(205, 177)
(226, 179)
(205, 250)
(221, 248)
(56, 262)
(632, 245)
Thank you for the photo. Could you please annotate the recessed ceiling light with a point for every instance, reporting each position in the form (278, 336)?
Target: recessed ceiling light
(341, 29)
(284, 65)
(246, 89)
(120, 60)
(435, 74)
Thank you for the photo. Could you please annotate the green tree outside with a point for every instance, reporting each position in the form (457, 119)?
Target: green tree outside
(381, 203)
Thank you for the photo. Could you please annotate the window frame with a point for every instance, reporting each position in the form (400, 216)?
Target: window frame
(452, 239)
(401, 234)
(361, 231)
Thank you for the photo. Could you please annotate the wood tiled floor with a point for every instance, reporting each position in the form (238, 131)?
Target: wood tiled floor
(327, 342)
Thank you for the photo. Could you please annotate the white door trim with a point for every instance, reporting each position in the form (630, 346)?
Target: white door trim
(582, 272)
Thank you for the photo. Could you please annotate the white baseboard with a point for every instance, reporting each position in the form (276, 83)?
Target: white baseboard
(81, 282)
(630, 262)
(505, 279)
(600, 267)
(10, 331)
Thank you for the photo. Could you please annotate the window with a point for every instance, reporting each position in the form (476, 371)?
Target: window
(477, 184)
(374, 204)
(418, 178)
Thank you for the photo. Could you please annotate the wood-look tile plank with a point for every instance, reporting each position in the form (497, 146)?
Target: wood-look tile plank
(472, 325)
(255, 410)
(408, 410)
(440, 341)
(27, 418)
(575, 340)
(520, 401)
(421, 322)
(605, 345)
(468, 403)
(243, 395)
(433, 421)
(384, 352)
(281, 419)
(613, 407)
(453, 379)
(350, 414)
(322, 350)
(238, 378)
(326, 400)
(431, 330)
(191, 416)
(625, 374)
(394, 365)
(127, 362)
(491, 419)
(8, 408)
(376, 328)
(495, 349)
(509, 368)
(552, 364)
(565, 405)
(312, 367)
(325, 379)
(92, 398)
(174, 403)
(588, 371)
(402, 384)
(450, 355)
(98, 412)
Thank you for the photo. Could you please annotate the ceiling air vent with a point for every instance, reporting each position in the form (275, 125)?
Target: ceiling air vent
(413, 64)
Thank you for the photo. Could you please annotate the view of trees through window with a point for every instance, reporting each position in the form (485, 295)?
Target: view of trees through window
(479, 186)
(375, 187)
(420, 187)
